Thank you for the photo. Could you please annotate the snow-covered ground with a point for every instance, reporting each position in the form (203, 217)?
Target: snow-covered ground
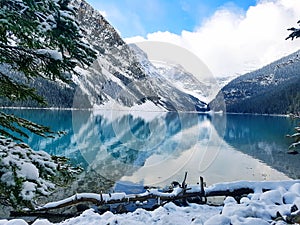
(259, 208)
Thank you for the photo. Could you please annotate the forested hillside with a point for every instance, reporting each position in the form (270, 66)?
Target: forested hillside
(273, 89)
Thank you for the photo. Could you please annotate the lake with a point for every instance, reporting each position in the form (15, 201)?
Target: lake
(124, 150)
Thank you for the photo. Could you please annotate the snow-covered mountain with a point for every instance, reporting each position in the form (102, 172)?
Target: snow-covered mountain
(223, 81)
(203, 87)
(205, 90)
(183, 80)
(273, 89)
(117, 78)
(119, 75)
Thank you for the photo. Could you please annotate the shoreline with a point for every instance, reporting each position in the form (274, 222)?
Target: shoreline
(136, 110)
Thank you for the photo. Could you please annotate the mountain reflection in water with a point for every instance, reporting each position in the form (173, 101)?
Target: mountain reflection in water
(156, 148)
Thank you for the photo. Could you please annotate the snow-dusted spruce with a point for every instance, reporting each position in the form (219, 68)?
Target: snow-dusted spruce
(295, 136)
(38, 39)
(26, 174)
(295, 34)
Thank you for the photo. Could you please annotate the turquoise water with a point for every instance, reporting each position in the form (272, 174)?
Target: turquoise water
(152, 148)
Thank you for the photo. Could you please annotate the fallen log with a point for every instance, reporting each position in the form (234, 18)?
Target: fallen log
(195, 193)
(176, 192)
(117, 198)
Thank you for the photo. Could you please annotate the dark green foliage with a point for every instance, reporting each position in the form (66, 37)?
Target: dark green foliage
(296, 99)
(17, 91)
(38, 39)
(279, 100)
(42, 39)
(15, 124)
(273, 89)
(295, 32)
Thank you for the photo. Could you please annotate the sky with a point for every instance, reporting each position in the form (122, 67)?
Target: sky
(140, 17)
(230, 37)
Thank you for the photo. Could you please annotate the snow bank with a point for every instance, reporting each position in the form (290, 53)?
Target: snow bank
(258, 208)
(261, 208)
(168, 214)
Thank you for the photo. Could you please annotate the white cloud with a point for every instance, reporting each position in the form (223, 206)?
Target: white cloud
(134, 39)
(233, 41)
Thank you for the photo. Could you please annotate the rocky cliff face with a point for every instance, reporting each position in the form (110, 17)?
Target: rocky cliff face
(119, 75)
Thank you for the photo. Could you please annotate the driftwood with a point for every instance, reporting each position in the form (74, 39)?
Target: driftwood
(125, 199)
(177, 192)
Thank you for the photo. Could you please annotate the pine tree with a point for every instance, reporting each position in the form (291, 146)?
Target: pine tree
(296, 136)
(37, 39)
(295, 32)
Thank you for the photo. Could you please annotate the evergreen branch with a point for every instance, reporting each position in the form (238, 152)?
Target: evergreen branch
(16, 91)
(15, 124)
(295, 32)
(35, 62)
(37, 39)
(7, 134)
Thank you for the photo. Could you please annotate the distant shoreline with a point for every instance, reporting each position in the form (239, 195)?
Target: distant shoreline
(106, 109)
(100, 109)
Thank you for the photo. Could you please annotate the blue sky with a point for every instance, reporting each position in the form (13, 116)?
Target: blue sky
(230, 37)
(140, 17)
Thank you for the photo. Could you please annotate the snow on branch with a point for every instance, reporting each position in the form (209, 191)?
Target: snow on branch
(295, 136)
(26, 174)
(175, 192)
(114, 198)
